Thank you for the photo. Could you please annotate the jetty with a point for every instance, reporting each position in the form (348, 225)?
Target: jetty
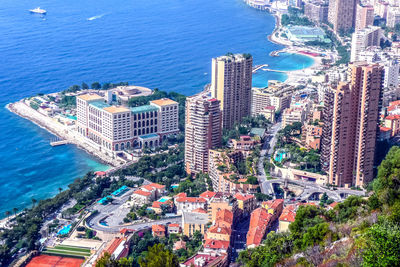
(256, 68)
(59, 142)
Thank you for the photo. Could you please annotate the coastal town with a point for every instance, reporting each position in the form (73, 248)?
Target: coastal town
(288, 174)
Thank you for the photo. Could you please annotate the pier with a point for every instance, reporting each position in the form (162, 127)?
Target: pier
(59, 142)
(256, 68)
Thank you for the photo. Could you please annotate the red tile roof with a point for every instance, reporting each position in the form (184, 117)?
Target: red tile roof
(180, 195)
(217, 229)
(385, 129)
(148, 187)
(225, 216)
(392, 117)
(207, 194)
(158, 228)
(114, 245)
(259, 222)
(273, 204)
(288, 215)
(174, 225)
(142, 193)
(241, 197)
(158, 186)
(216, 244)
(191, 199)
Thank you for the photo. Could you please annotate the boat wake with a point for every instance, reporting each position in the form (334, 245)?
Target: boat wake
(96, 17)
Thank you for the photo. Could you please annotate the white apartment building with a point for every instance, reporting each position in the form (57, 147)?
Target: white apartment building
(116, 128)
(393, 16)
(362, 39)
(292, 115)
(264, 97)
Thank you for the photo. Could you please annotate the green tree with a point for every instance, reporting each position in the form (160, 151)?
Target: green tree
(33, 202)
(84, 86)
(159, 256)
(96, 85)
(107, 261)
(382, 245)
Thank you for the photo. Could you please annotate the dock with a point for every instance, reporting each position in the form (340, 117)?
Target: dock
(59, 142)
(256, 68)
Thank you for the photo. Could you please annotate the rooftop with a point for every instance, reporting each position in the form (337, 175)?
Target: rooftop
(116, 109)
(100, 104)
(158, 228)
(194, 218)
(304, 30)
(208, 194)
(142, 193)
(164, 102)
(142, 109)
(89, 97)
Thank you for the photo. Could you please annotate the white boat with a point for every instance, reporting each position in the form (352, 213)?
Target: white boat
(38, 10)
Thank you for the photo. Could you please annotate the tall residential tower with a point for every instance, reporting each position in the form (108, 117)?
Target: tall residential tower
(350, 127)
(203, 131)
(231, 85)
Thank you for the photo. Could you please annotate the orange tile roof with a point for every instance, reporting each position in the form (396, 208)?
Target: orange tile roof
(207, 194)
(225, 216)
(148, 187)
(272, 204)
(392, 117)
(288, 215)
(394, 103)
(199, 210)
(216, 244)
(142, 193)
(242, 197)
(158, 228)
(180, 195)
(89, 97)
(217, 229)
(158, 186)
(164, 102)
(259, 222)
(114, 245)
(334, 204)
(385, 129)
(191, 199)
(174, 225)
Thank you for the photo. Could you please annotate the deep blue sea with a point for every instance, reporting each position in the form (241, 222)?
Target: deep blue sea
(165, 44)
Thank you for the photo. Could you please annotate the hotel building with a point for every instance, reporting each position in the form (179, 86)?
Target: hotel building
(116, 128)
(203, 131)
(342, 14)
(231, 85)
(362, 39)
(350, 127)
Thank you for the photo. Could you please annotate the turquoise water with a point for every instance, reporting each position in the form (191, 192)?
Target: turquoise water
(158, 44)
(65, 230)
(279, 156)
(163, 199)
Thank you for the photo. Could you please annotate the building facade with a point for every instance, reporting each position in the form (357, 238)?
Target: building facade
(364, 17)
(342, 14)
(362, 39)
(116, 128)
(231, 85)
(203, 131)
(316, 11)
(350, 133)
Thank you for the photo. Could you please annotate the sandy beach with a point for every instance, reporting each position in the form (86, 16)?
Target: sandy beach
(62, 131)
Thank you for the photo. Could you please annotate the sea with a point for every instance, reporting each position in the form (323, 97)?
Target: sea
(165, 44)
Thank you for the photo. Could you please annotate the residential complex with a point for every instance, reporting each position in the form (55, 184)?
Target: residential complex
(362, 39)
(316, 11)
(350, 127)
(116, 128)
(203, 131)
(342, 14)
(364, 16)
(231, 82)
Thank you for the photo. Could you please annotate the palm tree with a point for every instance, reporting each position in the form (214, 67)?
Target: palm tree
(15, 210)
(59, 189)
(8, 213)
(33, 202)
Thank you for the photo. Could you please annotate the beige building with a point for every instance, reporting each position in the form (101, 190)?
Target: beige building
(350, 127)
(362, 39)
(364, 17)
(203, 131)
(231, 85)
(393, 16)
(316, 11)
(342, 14)
(292, 115)
(193, 221)
(277, 96)
(115, 128)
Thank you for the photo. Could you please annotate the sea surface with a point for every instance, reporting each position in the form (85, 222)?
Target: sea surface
(165, 44)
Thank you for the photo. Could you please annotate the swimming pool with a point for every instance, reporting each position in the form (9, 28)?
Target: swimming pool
(280, 156)
(65, 230)
(163, 199)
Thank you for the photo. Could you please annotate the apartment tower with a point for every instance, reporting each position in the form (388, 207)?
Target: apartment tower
(231, 85)
(364, 16)
(349, 148)
(342, 14)
(203, 131)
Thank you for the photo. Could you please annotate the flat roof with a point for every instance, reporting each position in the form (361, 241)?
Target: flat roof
(99, 104)
(164, 102)
(195, 218)
(88, 97)
(143, 109)
(116, 109)
(305, 31)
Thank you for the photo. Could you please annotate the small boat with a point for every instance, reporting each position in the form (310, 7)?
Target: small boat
(38, 10)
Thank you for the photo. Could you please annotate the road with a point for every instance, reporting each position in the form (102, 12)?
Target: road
(266, 151)
(239, 234)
